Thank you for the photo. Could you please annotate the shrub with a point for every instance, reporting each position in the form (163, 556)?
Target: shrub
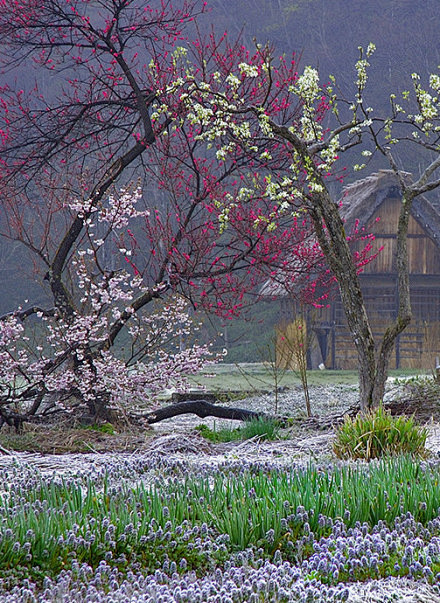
(377, 434)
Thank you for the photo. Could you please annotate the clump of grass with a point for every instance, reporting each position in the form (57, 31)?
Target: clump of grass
(224, 434)
(261, 428)
(378, 433)
(102, 428)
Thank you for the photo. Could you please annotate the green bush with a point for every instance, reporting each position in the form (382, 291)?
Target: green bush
(377, 434)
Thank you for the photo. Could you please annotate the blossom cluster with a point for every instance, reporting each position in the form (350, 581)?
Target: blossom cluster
(76, 359)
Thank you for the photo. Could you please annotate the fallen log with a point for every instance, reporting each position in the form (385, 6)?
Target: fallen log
(202, 408)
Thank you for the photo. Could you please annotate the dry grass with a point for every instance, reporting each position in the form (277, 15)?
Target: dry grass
(56, 439)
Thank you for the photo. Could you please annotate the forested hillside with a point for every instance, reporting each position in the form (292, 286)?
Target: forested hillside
(328, 33)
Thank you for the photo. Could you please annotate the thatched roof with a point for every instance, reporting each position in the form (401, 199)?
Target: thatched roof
(361, 200)
(280, 286)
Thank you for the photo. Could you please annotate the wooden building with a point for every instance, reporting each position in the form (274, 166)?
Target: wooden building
(374, 203)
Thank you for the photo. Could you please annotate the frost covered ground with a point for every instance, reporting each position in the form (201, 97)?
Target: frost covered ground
(175, 442)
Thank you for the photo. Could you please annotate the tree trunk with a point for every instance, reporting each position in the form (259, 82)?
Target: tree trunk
(372, 379)
(373, 360)
(202, 408)
(332, 238)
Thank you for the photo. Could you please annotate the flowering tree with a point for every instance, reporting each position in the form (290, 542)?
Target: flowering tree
(308, 147)
(231, 159)
(117, 259)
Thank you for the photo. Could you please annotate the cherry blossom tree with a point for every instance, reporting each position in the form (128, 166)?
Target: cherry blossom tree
(146, 164)
(127, 207)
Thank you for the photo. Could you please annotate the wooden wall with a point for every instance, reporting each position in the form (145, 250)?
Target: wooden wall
(417, 348)
(424, 255)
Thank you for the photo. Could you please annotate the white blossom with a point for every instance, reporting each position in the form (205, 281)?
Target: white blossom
(248, 70)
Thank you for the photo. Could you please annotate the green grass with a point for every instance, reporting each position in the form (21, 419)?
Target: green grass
(261, 428)
(256, 376)
(57, 522)
(102, 428)
(221, 435)
(378, 433)
(247, 507)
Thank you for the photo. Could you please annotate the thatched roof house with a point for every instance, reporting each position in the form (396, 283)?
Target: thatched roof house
(373, 204)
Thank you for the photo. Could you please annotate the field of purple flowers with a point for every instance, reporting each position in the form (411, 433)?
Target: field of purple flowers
(157, 529)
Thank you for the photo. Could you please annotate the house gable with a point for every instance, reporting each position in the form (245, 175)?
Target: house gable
(373, 204)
